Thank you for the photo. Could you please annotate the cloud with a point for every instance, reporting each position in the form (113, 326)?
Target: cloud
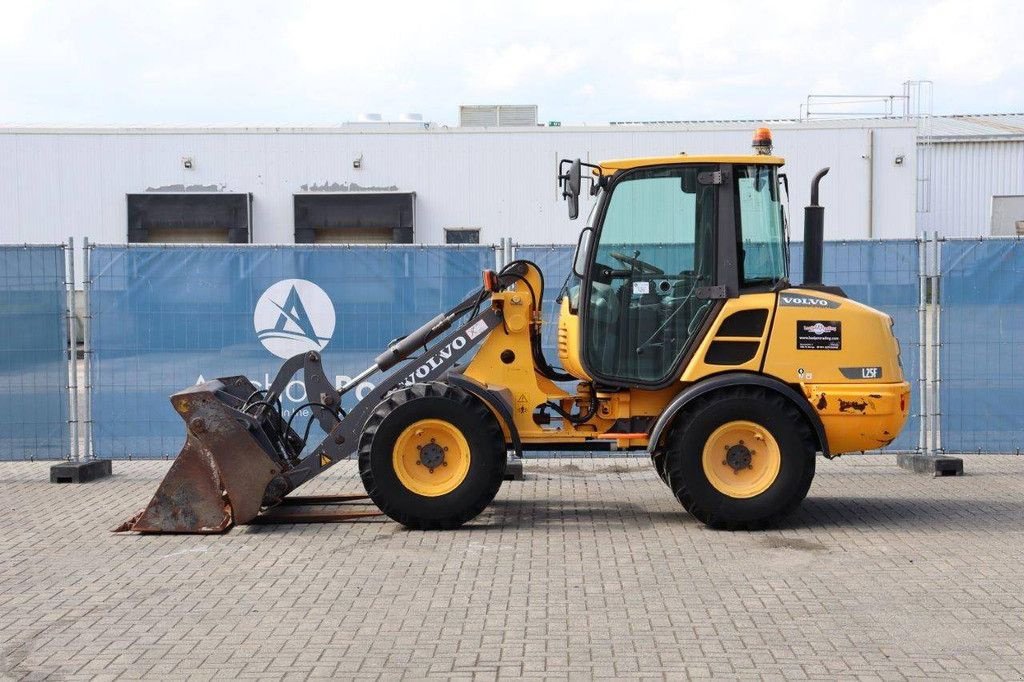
(363, 39)
(668, 89)
(17, 20)
(258, 61)
(585, 90)
(510, 67)
(966, 43)
(647, 56)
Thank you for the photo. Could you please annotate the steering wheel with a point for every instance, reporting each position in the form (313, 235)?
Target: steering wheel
(642, 267)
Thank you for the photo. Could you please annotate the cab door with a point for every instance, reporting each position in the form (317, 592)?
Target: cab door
(649, 285)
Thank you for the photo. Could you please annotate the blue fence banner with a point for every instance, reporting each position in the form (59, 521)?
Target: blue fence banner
(883, 275)
(166, 317)
(33, 353)
(981, 359)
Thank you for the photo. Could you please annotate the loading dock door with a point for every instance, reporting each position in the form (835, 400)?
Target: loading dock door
(354, 218)
(190, 217)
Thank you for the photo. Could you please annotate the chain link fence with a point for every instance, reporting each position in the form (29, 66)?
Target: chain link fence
(883, 275)
(36, 415)
(555, 261)
(158, 318)
(166, 317)
(978, 321)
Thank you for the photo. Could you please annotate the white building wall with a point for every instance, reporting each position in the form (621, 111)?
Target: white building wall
(60, 183)
(962, 178)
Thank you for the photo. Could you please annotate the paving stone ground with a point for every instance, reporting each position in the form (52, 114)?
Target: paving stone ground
(589, 568)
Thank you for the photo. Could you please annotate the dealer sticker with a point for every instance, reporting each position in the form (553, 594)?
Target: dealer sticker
(819, 335)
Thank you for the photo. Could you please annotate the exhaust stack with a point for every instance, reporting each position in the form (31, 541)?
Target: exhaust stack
(814, 233)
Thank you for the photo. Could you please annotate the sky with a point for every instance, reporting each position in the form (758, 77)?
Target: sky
(586, 61)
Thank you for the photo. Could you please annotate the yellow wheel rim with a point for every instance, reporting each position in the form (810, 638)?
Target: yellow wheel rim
(431, 457)
(741, 459)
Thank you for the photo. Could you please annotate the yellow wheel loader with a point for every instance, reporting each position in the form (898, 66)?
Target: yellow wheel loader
(679, 334)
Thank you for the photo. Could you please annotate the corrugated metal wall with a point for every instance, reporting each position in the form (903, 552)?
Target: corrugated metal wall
(59, 183)
(961, 178)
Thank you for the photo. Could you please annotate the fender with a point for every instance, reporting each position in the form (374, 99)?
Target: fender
(492, 400)
(737, 379)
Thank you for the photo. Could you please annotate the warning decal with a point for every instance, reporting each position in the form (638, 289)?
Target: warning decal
(324, 460)
(477, 329)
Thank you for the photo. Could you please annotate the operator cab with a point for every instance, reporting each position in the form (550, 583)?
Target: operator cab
(668, 240)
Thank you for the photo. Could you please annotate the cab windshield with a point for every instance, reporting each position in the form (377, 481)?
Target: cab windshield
(762, 237)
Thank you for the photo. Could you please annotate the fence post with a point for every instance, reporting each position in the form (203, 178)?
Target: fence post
(937, 334)
(69, 301)
(82, 468)
(922, 343)
(510, 250)
(86, 349)
(499, 255)
(933, 297)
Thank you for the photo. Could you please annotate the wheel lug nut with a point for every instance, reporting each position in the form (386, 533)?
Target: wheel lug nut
(725, 461)
(444, 463)
(446, 449)
(419, 447)
(432, 440)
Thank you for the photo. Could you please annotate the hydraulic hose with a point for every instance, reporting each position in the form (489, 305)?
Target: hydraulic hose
(536, 351)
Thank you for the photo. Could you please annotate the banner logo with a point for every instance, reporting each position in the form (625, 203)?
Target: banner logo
(294, 316)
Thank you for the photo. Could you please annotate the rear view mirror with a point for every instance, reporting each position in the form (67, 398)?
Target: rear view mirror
(570, 183)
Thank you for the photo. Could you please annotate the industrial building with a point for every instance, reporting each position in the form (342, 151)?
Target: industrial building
(971, 175)
(492, 176)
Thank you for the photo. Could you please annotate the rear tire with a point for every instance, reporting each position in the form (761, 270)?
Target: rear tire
(740, 459)
(432, 456)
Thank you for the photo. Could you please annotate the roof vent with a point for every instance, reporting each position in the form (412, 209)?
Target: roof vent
(500, 115)
(370, 118)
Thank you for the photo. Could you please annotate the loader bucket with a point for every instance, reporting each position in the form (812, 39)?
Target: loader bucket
(219, 477)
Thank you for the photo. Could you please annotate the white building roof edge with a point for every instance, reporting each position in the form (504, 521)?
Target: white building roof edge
(436, 129)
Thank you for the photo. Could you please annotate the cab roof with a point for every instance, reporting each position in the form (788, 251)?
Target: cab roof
(640, 162)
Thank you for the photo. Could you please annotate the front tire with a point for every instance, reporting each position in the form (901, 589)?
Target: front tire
(740, 459)
(431, 456)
